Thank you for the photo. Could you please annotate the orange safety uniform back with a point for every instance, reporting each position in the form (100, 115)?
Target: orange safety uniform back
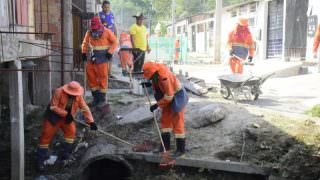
(59, 101)
(107, 42)
(168, 84)
(316, 40)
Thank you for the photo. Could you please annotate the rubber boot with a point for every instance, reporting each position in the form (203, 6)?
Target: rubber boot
(166, 141)
(101, 98)
(181, 144)
(103, 106)
(66, 151)
(95, 98)
(42, 156)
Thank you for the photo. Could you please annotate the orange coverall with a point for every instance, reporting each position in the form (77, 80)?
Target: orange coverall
(97, 71)
(58, 105)
(125, 56)
(241, 47)
(168, 84)
(316, 40)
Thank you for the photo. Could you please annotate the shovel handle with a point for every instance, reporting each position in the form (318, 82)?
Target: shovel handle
(105, 133)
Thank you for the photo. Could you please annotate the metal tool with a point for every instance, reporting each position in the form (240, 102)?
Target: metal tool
(105, 133)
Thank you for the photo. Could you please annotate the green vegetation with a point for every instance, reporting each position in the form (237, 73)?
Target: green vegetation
(314, 111)
(159, 11)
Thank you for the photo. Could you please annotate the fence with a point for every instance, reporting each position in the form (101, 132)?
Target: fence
(163, 49)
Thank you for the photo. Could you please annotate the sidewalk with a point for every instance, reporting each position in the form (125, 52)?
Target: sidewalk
(286, 91)
(210, 72)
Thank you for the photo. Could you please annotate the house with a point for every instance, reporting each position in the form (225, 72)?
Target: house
(37, 46)
(279, 28)
(198, 29)
(313, 21)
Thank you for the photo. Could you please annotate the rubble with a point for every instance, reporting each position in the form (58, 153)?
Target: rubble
(205, 116)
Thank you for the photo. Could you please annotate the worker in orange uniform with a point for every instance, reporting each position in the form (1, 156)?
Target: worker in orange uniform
(241, 44)
(171, 98)
(316, 45)
(125, 56)
(177, 51)
(60, 113)
(102, 43)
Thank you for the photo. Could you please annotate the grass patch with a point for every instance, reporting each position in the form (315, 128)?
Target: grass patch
(305, 131)
(314, 111)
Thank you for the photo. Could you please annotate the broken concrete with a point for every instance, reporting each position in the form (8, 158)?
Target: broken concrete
(192, 87)
(203, 163)
(205, 116)
(140, 115)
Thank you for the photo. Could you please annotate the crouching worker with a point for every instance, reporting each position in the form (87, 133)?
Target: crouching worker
(100, 43)
(60, 113)
(171, 98)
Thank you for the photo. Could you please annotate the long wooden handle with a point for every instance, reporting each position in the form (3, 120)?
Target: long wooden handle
(105, 133)
(155, 120)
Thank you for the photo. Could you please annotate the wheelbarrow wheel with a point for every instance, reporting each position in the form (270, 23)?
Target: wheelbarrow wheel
(255, 97)
(225, 92)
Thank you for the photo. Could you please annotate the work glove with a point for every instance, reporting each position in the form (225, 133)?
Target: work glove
(93, 126)
(146, 84)
(69, 118)
(108, 56)
(250, 59)
(153, 107)
(231, 52)
(84, 57)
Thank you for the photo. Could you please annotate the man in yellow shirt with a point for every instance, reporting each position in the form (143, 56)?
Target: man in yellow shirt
(139, 40)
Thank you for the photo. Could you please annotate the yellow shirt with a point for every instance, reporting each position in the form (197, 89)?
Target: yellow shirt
(139, 36)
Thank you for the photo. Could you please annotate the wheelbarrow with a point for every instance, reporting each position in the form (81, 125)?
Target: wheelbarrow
(239, 84)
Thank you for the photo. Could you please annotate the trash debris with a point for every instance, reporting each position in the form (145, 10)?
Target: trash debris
(42, 177)
(255, 125)
(81, 145)
(52, 159)
(119, 117)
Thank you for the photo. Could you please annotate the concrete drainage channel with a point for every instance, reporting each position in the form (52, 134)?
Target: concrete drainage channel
(108, 162)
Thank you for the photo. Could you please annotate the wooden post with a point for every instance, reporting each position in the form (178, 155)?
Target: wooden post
(217, 32)
(17, 127)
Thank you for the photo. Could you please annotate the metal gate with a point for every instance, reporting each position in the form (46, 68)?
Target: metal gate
(275, 29)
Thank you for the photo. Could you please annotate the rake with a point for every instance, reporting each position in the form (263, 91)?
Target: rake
(165, 159)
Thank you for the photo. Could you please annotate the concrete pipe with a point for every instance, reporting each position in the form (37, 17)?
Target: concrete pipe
(102, 162)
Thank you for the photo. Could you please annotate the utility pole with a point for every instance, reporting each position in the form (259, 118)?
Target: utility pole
(217, 32)
(173, 14)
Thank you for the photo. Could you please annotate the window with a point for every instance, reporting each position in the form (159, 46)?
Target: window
(179, 30)
(243, 10)
(200, 27)
(233, 13)
(22, 12)
(4, 13)
(251, 22)
(253, 7)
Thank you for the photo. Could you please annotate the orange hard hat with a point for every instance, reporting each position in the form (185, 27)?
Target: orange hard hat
(149, 68)
(73, 88)
(243, 21)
